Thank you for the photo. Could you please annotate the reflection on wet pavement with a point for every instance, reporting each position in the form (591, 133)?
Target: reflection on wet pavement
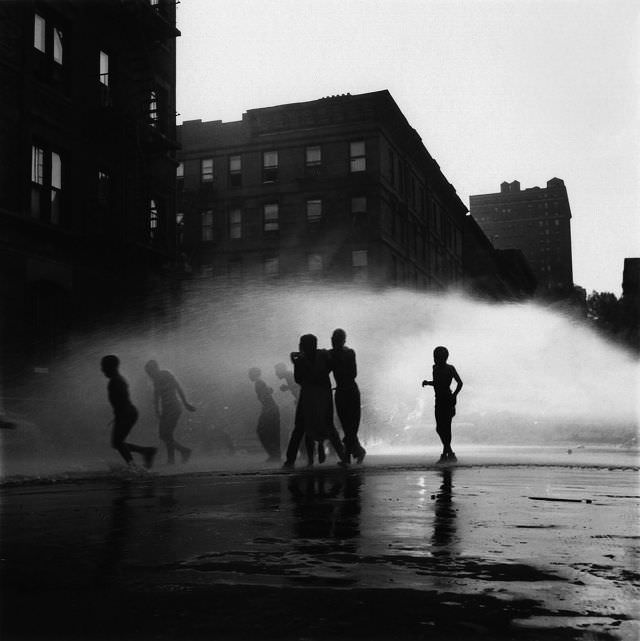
(461, 532)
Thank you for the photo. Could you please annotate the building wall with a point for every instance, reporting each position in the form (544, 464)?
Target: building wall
(410, 228)
(81, 156)
(536, 221)
(491, 273)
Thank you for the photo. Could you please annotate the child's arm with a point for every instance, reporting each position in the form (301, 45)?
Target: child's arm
(183, 398)
(458, 381)
(156, 400)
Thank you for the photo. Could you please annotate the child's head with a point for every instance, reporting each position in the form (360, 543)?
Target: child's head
(281, 370)
(152, 368)
(338, 338)
(254, 374)
(308, 344)
(440, 355)
(109, 365)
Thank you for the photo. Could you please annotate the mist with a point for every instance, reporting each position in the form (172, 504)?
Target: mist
(531, 374)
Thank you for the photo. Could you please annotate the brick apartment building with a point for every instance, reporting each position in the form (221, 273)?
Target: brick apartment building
(87, 164)
(536, 221)
(341, 188)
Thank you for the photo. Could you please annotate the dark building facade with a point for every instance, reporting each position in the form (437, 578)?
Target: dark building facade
(630, 302)
(497, 274)
(87, 164)
(537, 221)
(631, 278)
(340, 189)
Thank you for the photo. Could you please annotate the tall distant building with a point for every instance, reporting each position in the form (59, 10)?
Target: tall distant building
(536, 221)
(340, 188)
(87, 165)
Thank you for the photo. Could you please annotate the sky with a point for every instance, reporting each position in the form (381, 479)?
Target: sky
(498, 90)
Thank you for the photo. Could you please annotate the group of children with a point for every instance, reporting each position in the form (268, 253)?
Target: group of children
(310, 385)
(168, 402)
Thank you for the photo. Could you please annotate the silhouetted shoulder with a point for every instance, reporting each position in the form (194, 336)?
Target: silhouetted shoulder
(118, 391)
(167, 378)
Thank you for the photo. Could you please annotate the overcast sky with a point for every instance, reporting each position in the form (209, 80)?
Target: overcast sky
(498, 90)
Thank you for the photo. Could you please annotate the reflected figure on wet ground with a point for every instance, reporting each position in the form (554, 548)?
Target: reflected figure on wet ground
(168, 399)
(444, 527)
(311, 367)
(326, 504)
(347, 397)
(125, 414)
(268, 429)
(445, 405)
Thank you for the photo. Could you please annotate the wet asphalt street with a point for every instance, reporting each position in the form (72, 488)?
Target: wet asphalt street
(512, 552)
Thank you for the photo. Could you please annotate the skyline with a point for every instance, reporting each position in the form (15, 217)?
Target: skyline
(479, 81)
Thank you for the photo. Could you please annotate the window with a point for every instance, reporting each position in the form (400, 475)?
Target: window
(56, 187)
(179, 229)
(235, 223)
(359, 258)
(57, 46)
(235, 171)
(206, 170)
(39, 33)
(313, 156)
(153, 111)
(46, 184)
(180, 171)
(207, 225)
(104, 69)
(104, 187)
(103, 78)
(359, 205)
(269, 166)
(271, 218)
(314, 263)
(314, 211)
(37, 165)
(48, 42)
(271, 266)
(357, 155)
(153, 220)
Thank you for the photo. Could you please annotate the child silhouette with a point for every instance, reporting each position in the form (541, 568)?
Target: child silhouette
(445, 406)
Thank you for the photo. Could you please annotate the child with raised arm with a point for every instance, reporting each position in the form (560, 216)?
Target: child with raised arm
(445, 406)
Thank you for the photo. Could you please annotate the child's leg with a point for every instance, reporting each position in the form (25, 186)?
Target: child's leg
(310, 444)
(334, 439)
(119, 445)
(444, 431)
(167, 426)
(118, 434)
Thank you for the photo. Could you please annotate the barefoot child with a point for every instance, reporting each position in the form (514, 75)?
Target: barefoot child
(168, 399)
(268, 429)
(125, 414)
(445, 407)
